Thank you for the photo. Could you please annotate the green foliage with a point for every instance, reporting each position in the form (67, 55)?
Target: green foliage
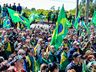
(45, 13)
(40, 11)
(82, 7)
(33, 9)
(92, 7)
(27, 12)
(72, 12)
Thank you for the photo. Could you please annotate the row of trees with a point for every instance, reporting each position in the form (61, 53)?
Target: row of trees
(82, 7)
(45, 13)
(92, 7)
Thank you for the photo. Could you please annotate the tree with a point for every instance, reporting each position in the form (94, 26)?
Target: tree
(33, 9)
(27, 12)
(94, 3)
(92, 7)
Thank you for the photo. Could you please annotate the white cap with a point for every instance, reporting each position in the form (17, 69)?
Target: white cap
(21, 51)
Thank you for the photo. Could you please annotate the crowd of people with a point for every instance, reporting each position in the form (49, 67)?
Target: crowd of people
(52, 16)
(4, 14)
(30, 50)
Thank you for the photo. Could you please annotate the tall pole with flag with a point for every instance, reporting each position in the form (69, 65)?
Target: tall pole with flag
(87, 11)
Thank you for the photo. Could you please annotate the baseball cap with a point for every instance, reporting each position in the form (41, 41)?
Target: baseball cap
(75, 43)
(75, 54)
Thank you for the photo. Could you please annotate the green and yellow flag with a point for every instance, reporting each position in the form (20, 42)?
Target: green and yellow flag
(6, 23)
(16, 17)
(64, 61)
(61, 29)
(25, 21)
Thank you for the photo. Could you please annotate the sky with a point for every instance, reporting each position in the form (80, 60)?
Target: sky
(43, 4)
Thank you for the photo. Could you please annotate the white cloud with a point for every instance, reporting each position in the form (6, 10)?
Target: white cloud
(43, 4)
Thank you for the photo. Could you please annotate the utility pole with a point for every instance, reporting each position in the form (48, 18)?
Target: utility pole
(87, 11)
(77, 3)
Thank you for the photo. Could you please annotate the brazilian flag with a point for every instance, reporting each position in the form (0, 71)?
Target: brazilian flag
(61, 29)
(16, 17)
(25, 21)
(6, 23)
(35, 64)
(64, 61)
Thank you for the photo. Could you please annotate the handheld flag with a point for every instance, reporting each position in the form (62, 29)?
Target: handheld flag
(61, 29)
(6, 23)
(64, 61)
(16, 17)
(25, 21)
